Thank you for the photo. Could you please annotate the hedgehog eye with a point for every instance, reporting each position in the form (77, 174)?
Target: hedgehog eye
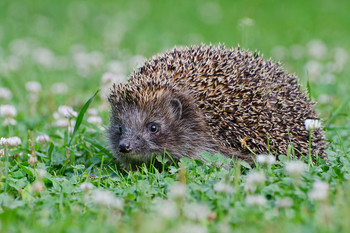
(120, 129)
(153, 127)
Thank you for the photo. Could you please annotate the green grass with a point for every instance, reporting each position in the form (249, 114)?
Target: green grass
(76, 42)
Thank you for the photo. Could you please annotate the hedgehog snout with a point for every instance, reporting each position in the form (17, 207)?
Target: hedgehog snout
(125, 146)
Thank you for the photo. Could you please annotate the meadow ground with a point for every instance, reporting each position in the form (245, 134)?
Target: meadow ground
(56, 173)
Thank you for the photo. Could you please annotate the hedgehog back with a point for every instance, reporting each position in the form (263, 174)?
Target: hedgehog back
(242, 96)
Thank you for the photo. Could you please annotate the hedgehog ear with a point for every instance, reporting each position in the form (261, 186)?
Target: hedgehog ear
(176, 107)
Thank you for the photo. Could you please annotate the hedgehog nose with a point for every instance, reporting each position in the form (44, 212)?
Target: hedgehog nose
(125, 147)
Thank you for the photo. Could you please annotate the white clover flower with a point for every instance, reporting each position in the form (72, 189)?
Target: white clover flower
(33, 87)
(246, 22)
(319, 191)
(5, 93)
(177, 190)
(285, 202)
(32, 160)
(103, 197)
(67, 111)
(314, 69)
(265, 159)
(253, 179)
(107, 199)
(96, 120)
(38, 186)
(3, 141)
(196, 211)
(42, 139)
(56, 116)
(9, 121)
(261, 158)
(114, 67)
(14, 141)
(59, 88)
(44, 57)
(311, 124)
(41, 173)
(92, 111)
(341, 55)
(270, 159)
(256, 177)
(62, 123)
(317, 49)
(109, 77)
(70, 129)
(255, 200)
(340, 59)
(295, 168)
(2, 152)
(223, 187)
(20, 47)
(86, 187)
(8, 111)
(167, 209)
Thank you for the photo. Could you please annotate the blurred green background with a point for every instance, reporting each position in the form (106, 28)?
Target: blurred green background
(149, 26)
(40, 39)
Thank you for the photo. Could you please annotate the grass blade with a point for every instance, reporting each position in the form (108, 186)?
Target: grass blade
(308, 86)
(81, 116)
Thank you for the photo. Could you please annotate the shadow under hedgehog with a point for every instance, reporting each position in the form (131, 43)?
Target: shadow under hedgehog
(210, 99)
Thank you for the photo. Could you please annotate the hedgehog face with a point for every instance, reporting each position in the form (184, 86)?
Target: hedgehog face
(137, 131)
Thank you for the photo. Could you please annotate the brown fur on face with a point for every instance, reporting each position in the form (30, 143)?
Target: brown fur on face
(211, 99)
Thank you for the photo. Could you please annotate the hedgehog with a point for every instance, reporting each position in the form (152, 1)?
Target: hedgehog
(199, 99)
